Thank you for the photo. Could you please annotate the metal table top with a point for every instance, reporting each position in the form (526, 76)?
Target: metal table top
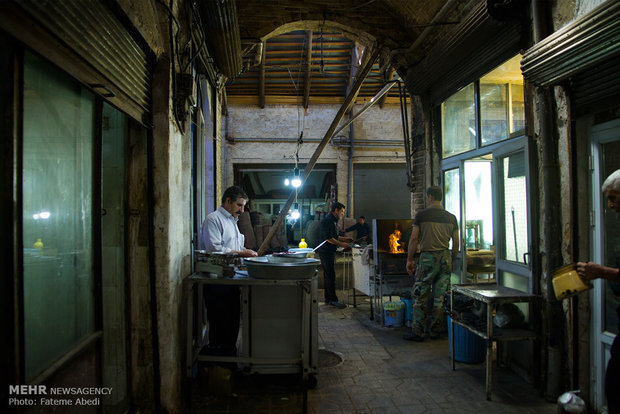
(490, 293)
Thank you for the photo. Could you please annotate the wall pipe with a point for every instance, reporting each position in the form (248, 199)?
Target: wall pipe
(350, 163)
(336, 141)
(552, 215)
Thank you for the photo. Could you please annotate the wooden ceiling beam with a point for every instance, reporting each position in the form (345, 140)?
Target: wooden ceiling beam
(308, 67)
(261, 79)
(356, 53)
(384, 97)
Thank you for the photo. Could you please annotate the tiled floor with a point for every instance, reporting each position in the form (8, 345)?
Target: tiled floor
(380, 373)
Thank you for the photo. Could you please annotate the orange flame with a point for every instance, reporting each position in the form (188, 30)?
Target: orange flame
(394, 244)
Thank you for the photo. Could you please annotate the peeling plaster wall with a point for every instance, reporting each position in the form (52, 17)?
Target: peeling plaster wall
(145, 18)
(220, 185)
(564, 158)
(565, 11)
(286, 121)
(171, 176)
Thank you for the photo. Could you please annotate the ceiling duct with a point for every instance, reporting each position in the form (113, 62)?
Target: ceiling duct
(219, 18)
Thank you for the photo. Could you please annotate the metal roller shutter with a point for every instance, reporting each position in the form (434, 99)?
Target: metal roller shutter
(380, 191)
(588, 42)
(477, 45)
(91, 31)
(599, 84)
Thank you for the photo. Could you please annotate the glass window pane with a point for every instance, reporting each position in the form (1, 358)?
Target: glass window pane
(458, 122)
(501, 102)
(57, 206)
(611, 230)
(493, 109)
(452, 194)
(478, 204)
(452, 190)
(515, 207)
(517, 107)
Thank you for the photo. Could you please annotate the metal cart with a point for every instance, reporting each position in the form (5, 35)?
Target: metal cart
(279, 329)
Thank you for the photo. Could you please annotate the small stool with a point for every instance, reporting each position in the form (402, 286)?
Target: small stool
(475, 270)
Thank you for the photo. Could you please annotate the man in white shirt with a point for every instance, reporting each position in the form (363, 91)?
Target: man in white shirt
(219, 233)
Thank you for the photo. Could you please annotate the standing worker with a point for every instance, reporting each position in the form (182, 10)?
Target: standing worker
(362, 229)
(328, 231)
(589, 271)
(433, 228)
(220, 233)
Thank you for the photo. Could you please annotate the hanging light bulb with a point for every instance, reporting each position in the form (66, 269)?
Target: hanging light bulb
(296, 181)
(295, 213)
(286, 181)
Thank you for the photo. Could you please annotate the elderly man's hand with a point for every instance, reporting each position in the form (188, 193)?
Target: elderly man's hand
(588, 271)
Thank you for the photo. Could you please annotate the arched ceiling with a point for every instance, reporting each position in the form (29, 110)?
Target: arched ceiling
(284, 41)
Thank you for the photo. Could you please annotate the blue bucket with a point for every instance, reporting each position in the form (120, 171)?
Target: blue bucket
(468, 347)
(408, 311)
(393, 314)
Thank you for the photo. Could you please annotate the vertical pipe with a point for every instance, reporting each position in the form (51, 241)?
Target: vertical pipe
(350, 165)
(552, 327)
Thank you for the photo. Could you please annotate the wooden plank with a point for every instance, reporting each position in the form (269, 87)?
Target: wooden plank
(308, 78)
(261, 82)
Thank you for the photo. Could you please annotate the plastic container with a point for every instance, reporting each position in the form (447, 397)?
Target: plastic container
(394, 314)
(408, 311)
(309, 252)
(468, 347)
(303, 244)
(566, 282)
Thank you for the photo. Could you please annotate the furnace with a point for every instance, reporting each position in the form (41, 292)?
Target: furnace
(390, 240)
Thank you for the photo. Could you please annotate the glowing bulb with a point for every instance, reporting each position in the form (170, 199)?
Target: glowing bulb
(295, 214)
(286, 181)
(296, 182)
(36, 216)
(44, 215)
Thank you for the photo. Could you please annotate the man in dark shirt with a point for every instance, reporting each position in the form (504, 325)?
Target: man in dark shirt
(328, 231)
(362, 229)
(433, 228)
(589, 271)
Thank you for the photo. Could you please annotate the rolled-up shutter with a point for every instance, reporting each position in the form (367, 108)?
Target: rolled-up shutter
(584, 54)
(474, 47)
(88, 40)
(588, 42)
(597, 85)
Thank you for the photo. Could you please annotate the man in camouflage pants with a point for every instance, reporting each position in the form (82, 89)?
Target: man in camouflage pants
(433, 228)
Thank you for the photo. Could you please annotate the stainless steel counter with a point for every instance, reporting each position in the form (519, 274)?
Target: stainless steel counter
(279, 329)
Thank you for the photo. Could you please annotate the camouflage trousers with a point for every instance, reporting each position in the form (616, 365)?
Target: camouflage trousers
(432, 279)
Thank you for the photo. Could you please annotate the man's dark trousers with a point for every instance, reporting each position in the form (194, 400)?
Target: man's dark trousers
(328, 260)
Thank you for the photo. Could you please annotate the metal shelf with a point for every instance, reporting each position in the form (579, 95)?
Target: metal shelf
(493, 295)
